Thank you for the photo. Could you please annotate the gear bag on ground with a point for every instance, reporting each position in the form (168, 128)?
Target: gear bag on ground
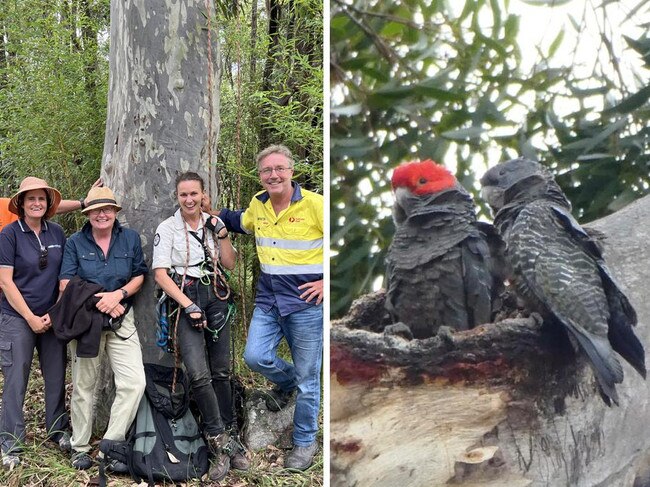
(164, 442)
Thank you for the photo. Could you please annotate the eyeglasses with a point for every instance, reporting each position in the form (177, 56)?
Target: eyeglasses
(278, 170)
(109, 210)
(42, 261)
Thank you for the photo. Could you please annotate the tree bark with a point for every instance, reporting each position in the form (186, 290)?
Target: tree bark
(159, 121)
(503, 404)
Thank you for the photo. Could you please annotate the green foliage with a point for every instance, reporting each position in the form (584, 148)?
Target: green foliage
(420, 79)
(53, 97)
(271, 93)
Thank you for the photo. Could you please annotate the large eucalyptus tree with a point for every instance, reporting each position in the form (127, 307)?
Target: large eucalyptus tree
(163, 116)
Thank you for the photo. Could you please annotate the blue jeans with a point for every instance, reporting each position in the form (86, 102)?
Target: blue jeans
(303, 331)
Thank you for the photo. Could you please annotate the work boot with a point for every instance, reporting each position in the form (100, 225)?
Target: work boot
(220, 463)
(277, 399)
(301, 457)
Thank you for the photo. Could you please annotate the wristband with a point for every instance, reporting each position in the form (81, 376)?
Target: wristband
(82, 202)
(221, 238)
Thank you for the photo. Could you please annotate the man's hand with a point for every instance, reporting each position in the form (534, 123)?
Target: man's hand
(206, 205)
(312, 290)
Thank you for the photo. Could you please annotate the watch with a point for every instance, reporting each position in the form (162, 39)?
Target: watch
(125, 293)
(82, 202)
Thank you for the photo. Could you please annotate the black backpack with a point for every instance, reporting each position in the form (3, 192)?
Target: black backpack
(164, 442)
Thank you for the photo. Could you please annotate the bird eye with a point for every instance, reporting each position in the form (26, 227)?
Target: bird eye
(422, 181)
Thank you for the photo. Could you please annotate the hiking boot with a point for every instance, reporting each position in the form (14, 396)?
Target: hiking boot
(10, 460)
(64, 442)
(236, 450)
(118, 467)
(301, 457)
(220, 464)
(81, 460)
(239, 461)
(277, 399)
(219, 467)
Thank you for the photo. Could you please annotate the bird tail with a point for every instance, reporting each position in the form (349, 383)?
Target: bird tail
(603, 361)
(621, 321)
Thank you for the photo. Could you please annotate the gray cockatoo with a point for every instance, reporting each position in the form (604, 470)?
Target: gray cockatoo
(558, 269)
(438, 268)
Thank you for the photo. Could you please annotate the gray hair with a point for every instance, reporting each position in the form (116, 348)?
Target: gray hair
(274, 149)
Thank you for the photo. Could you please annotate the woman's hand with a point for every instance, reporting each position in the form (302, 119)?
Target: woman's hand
(39, 324)
(109, 303)
(196, 316)
(117, 311)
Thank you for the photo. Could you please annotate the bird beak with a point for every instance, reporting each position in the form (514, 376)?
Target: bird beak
(493, 196)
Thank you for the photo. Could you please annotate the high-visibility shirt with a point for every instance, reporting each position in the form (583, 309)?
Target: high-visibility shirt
(6, 217)
(289, 246)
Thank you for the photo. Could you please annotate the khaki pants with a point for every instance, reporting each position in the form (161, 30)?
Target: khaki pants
(125, 359)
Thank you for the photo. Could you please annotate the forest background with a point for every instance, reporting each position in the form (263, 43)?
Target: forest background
(467, 85)
(53, 104)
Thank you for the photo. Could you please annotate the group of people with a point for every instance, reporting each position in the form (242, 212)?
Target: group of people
(47, 282)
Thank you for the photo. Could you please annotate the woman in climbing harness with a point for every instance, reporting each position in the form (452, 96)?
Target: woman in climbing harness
(189, 249)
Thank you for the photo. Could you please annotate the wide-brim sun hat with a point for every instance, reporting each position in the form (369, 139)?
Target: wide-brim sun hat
(100, 197)
(31, 183)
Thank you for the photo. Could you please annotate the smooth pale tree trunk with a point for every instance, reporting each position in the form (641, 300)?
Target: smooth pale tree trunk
(505, 404)
(159, 124)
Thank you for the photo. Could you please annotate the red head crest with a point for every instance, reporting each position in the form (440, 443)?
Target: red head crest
(421, 178)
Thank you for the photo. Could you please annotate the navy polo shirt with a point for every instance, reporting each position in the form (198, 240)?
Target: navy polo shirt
(19, 248)
(84, 258)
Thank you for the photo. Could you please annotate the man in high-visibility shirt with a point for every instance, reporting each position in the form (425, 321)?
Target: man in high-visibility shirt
(287, 222)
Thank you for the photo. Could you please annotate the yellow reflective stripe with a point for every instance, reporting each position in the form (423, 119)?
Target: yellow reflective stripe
(292, 269)
(281, 243)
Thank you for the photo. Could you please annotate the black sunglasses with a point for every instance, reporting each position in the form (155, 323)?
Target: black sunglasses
(42, 261)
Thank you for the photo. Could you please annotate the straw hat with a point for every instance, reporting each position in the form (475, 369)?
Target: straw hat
(100, 197)
(30, 183)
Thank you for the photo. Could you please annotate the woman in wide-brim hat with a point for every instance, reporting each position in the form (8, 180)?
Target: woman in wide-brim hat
(30, 183)
(105, 253)
(31, 251)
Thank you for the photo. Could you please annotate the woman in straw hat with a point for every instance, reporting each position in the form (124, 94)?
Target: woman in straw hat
(105, 253)
(31, 250)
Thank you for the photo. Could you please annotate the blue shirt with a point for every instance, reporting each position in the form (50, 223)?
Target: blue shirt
(19, 248)
(289, 246)
(84, 258)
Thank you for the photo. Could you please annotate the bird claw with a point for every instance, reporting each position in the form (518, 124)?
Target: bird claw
(399, 329)
(446, 334)
(537, 318)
